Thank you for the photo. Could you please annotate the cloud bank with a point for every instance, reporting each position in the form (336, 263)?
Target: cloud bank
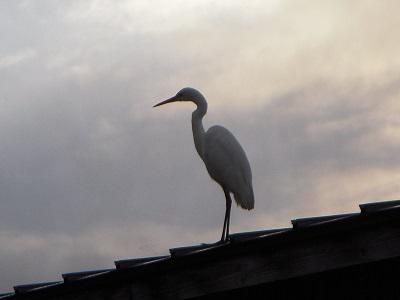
(90, 173)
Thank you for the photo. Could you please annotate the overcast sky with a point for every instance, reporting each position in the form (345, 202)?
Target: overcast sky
(91, 173)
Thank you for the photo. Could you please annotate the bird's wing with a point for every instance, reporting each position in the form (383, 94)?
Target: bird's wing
(227, 163)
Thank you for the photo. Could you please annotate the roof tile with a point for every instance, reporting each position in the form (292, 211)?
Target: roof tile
(68, 277)
(374, 207)
(130, 263)
(312, 221)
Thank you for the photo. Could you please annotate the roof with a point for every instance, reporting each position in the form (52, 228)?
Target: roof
(311, 245)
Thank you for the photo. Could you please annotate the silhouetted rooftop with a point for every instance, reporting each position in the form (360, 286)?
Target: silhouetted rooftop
(316, 245)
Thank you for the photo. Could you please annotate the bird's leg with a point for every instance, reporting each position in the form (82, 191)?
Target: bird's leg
(225, 231)
(224, 228)
(228, 208)
(229, 217)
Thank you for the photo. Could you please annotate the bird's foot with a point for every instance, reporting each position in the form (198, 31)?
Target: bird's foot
(223, 241)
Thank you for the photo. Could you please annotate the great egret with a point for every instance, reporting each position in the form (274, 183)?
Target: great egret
(225, 159)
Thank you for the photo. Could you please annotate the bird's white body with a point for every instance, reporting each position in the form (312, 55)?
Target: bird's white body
(227, 164)
(225, 159)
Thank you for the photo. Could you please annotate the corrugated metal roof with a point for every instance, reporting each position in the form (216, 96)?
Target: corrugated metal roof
(369, 212)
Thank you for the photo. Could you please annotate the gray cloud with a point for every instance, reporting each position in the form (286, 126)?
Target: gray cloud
(92, 173)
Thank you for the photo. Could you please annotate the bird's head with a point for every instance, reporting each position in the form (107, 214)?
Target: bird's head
(185, 94)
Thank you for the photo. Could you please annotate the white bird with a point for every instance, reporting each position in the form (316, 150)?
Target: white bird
(225, 159)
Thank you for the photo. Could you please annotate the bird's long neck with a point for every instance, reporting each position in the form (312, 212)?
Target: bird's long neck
(197, 125)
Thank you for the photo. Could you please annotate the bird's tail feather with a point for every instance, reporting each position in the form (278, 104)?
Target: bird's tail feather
(245, 200)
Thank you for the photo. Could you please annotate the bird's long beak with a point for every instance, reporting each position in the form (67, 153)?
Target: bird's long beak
(172, 99)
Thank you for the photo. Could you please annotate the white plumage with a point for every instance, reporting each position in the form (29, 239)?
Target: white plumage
(225, 159)
(227, 164)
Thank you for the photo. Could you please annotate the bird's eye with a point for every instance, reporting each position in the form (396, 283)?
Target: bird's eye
(179, 94)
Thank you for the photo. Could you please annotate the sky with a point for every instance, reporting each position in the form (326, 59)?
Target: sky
(91, 173)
